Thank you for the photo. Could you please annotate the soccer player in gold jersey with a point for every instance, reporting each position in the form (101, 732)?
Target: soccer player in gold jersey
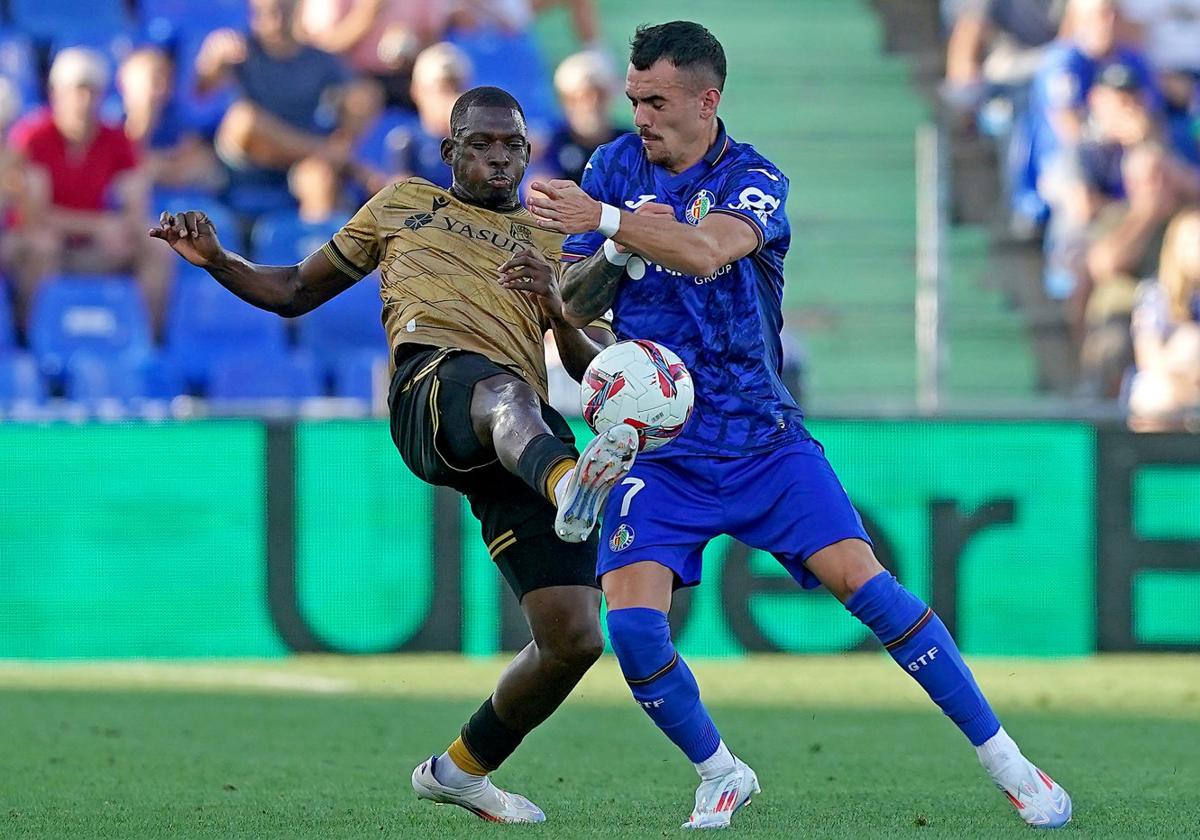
(469, 288)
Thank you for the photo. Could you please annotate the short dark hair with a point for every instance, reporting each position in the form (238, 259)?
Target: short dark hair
(485, 96)
(681, 42)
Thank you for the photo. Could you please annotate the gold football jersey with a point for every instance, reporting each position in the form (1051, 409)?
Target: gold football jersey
(437, 257)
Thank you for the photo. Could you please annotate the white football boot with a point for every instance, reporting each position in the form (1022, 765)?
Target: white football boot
(717, 800)
(604, 462)
(1039, 800)
(482, 798)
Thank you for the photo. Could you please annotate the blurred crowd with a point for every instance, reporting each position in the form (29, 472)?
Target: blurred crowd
(278, 118)
(1095, 109)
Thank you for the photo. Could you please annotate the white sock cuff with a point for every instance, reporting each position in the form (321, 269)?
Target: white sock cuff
(719, 762)
(999, 746)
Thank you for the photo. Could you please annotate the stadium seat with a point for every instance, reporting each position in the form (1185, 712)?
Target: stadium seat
(91, 378)
(344, 326)
(283, 239)
(8, 325)
(49, 19)
(513, 61)
(354, 374)
(206, 322)
(18, 64)
(259, 376)
(167, 21)
(19, 380)
(378, 146)
(229, 228)
(101, 315)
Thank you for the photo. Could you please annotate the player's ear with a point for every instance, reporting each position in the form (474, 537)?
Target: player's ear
(709, 101)
(447, 149)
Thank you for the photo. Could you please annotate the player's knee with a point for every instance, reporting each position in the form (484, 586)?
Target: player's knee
(574, 647)
(844, 567)
(641, 639)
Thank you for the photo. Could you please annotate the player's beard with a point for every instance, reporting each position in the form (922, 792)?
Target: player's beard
(656, 150)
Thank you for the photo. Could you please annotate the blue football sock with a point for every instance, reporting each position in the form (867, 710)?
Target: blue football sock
(661, 681)
(921, 644)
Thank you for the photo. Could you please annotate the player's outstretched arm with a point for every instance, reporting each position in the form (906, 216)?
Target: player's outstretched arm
(696, 250)
(288, 290)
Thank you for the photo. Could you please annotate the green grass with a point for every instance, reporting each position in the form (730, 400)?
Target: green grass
(845, 748)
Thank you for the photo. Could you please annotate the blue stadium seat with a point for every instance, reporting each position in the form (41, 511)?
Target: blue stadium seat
(283, 239)
(229, 228)
(91, 378)
(354, 374)
(8, 324)
(348, 324)
(102, 315)
(206, 322)
(167, 21)
(259, 376)
(513, 61)
(379, 145)
(19, 380)
(47, 19)
(18, 64)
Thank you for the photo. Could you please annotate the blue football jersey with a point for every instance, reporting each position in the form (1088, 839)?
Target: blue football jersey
(726, 327)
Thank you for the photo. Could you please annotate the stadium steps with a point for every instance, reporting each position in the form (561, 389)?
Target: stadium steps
(811, 86)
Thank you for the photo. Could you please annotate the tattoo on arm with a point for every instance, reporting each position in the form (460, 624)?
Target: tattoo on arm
(589, 288)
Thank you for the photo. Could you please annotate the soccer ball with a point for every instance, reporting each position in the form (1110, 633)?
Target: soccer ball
(640, 383)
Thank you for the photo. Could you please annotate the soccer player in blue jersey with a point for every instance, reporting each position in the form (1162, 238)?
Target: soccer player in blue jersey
(682, 231)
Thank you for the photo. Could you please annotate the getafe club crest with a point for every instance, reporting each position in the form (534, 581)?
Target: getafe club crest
(621, 539)
(699, 206)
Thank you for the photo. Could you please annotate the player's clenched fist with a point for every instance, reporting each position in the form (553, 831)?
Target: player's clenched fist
(191, 234)
(563, 206)
(529, 272)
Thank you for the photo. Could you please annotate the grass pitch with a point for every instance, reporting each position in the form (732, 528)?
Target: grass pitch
(844, 747)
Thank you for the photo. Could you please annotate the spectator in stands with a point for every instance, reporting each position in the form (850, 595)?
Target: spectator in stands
(1126, 241)
(498, 38)
(1059, 94)
(585, 83)
(1171, 34)
(440, 76)
(27, 253)
(98, 194)
(518, 15)
(173, 152)
(377, 38)
(1119, 119)
(1165, 391)
(295, 101)
(997, 44)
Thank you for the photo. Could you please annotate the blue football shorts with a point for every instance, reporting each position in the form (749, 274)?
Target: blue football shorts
(787, 501)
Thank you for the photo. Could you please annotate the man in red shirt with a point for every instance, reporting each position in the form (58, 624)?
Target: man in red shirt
(96, 194)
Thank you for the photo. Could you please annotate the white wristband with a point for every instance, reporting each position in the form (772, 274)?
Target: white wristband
(614, 256)
(610, 220)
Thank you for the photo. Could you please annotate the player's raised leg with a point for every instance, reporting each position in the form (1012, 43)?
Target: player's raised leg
(506, 415)
(639, 596)
(492, 429)
(920, 643)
